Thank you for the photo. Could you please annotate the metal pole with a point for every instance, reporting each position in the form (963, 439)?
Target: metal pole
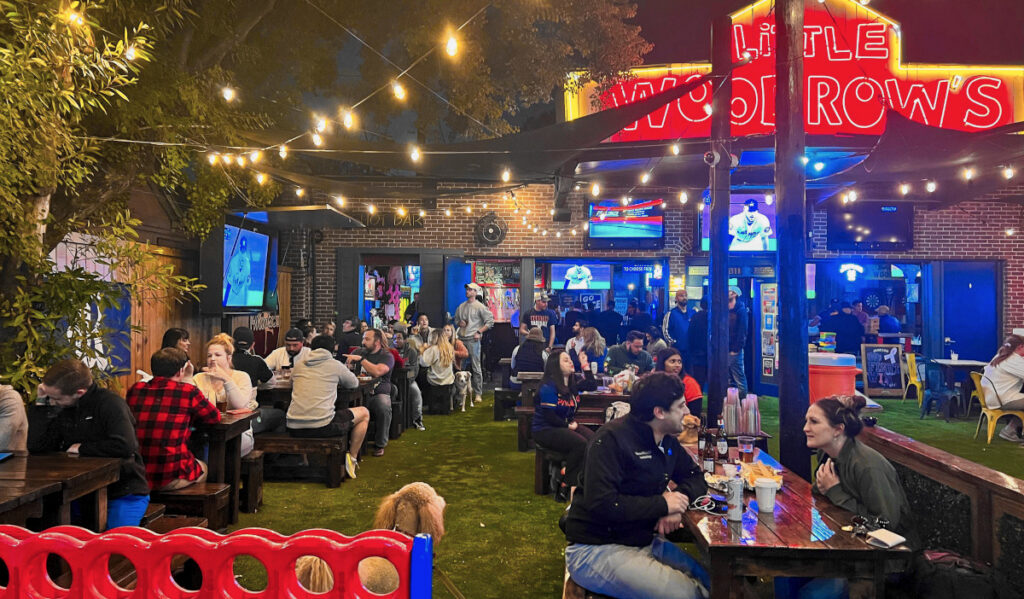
(790, 191)
(718, 262)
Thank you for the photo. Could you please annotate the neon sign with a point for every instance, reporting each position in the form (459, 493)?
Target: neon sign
(853, 69)
(851, 271)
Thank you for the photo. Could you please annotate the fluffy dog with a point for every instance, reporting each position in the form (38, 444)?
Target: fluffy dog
(415, 508)
(462, 390)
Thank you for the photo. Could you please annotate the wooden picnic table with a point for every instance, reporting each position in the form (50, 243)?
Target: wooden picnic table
(802, 537)
(225, 458)
(23, 499)
(80, 478)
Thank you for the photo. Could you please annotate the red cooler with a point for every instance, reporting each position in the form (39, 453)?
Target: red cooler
(831, 374)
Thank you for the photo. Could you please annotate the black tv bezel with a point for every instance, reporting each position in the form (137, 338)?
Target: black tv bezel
(625, 243)
(211, 268)
(876, 246)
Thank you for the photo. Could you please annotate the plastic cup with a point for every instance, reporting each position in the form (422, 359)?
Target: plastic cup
(730, 470)
(954, 356)
(765, 489)
(593, 367)
(746, 447)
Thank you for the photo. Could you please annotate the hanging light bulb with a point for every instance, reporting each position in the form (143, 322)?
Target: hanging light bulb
(1008, 173)
(321, 124)
(317, 140)
(371, 209)
(675, 149)
(228, 93)
(904, 189)
(261, 178)
(624, 201)
(1010, 232)
(573, 232)
(700, 206)
(414, 154)
(255, 156)
(340, 201)
(229, 159)
(213, 157)
(423, 213)
(348, 119)
(769, 199)
(506, 175)
(968, 173)
(469, 210)
(931, 186)
(804, 160)
(545, 232)
(283, 151)
(527, 211)
(576, 187)
(558, 234)
(240, 160)
(398, 90)
(451, 46)
(644, 178)
(130, 53)
(484, 205)
(447, 212)
(516, 211)
(551, 212)
(400, 211)
(586, 226)
(683, 197)
(707, 109)
(595, 189)
(300, 192)
(853, 196)
(75, 18)
(819, 166)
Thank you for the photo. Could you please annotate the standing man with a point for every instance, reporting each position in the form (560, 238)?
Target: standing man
(568, 328)
(738, 317)
(473, 319)
(636, 485)
(74, 415)
(539, 316)
(376, 361)
(636, 319)
(609, 323)
(675, 327)
(166, 408)
(412, 311)
(697, 341)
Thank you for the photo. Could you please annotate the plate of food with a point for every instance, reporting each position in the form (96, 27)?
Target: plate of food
(753, 471)
(365, 379)
(717, 482)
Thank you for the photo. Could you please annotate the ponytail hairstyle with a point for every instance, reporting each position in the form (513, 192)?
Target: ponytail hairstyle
(1009, 346)
(844, 410)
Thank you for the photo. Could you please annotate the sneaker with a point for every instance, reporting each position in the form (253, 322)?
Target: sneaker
(1011, 435)
(350, 465)
(378, 452)
(419, 425)
(479, 399)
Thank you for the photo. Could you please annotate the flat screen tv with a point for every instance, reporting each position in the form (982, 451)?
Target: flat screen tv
(870, 226)
(751, 224)
(246, 255)
(580, 275)
(640, 224)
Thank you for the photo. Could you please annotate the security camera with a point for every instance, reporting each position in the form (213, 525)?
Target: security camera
(711, 158)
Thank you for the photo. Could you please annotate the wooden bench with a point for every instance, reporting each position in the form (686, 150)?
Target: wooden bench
(505, 403)
(331, 449)
(251, 493)
(207, 500)
(524, 412)
(959, 505)
(545, 459)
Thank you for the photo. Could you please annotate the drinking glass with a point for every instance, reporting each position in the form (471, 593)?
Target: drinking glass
(746, 447)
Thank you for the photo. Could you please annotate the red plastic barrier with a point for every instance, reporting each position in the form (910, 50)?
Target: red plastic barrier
(87, 553)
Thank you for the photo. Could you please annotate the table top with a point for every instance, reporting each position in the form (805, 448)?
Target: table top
(15, 493)
(232, 424)
(802, 523)
(71, 471)
(960, 363)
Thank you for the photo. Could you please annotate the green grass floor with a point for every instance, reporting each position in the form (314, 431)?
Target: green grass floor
(502, 540)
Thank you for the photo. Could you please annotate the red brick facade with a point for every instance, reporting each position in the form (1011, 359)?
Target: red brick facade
(971, 230)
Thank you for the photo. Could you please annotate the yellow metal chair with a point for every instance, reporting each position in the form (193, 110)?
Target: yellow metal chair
(993, 414)
(912, 380)
(976, 393)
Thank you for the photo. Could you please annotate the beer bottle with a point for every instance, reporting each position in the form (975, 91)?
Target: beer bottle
(721, 444)
(707, 456)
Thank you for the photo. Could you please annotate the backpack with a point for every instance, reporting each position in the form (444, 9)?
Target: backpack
(939, 574)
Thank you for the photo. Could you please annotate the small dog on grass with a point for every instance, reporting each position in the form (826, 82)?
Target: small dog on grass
(463, 389)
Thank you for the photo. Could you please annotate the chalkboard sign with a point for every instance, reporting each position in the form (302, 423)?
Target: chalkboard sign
(883, 372)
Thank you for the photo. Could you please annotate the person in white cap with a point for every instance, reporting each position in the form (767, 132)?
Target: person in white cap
(473, 319)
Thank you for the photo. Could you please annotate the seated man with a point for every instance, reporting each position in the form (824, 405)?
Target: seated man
(74, 415)
(284, 358)
(630, 353)
(349, 336)
(622, 509)
(314, 392)
(13, 422)
(165, 407)
(376, 361)
(243, 359)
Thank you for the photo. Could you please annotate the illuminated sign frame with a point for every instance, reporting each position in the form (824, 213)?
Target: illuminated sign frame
(853, 66)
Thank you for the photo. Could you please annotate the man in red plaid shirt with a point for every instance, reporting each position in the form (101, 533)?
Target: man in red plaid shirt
(165, 408)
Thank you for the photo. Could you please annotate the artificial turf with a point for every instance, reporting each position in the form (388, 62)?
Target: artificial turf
(502, 540)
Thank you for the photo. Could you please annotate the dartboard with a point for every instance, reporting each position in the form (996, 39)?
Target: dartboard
(872, 300)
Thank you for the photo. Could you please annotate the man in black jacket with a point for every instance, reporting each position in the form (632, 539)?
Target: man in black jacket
(72, 414)
(623, 506)
(738, 327)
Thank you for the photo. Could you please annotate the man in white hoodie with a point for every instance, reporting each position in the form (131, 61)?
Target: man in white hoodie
(473, 319)
(315, 381)
(13, 421)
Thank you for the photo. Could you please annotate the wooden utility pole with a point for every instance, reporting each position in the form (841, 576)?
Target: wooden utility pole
(718, 262)
(790, 191)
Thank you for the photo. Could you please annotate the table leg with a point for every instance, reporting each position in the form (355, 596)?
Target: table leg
(94, 510)
(722, 579)
(216, 464)
(233, 475)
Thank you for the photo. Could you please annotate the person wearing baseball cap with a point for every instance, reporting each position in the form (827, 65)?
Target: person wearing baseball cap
(750, 229)
(473, 319)
(539, 316)
(243, 359)
(293, 350)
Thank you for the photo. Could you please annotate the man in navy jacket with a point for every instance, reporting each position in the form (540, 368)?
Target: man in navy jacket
(623, 506)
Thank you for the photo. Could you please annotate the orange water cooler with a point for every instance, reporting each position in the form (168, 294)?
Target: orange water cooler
(831, 374)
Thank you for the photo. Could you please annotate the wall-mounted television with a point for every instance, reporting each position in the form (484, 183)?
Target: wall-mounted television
(580, 275)
(751, 224)
(870, 226)
(238, 265)
(640, 224)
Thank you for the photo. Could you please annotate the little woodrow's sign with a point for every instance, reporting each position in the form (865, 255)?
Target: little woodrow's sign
(853, 68)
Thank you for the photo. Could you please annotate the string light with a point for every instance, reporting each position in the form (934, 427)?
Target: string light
(240, 160)
(644, 178)
(968, 173)
(228, 93)
(904, 189)
(506, 175)
(818, 166)
(447, 212)
(586, 226)
(931, 186)
(340, 201)
(804, 160)
(1008, 173)
(321, 124)
(624, 200)
(1010, 232)
(414, 154)
(401, 211)
(485, 205)
(423, 213)
(371, 209)
(683, 197)
(213, 158)
(545, 232)
(348, 119)
(261, 178)
(700, 206)
(675, 149)
(595, 189)
(255, 156)
(130, 53)
(300, 192)
(573, 232)
(282, 151)
(317, 140)
(452, 46)
(769, 199)
(527, 210)
(853, 196)
(75, 18)
(707, 109)
(229, 159)
(576, 187)
(551, 212)
(469, 210)
(558, 234)
(398, 90)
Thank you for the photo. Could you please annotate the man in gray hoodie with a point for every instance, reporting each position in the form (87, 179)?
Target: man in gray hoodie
(473, 318)
(315, 381)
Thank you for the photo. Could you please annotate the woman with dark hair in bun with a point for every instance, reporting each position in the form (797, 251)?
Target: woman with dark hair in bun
(851, 474)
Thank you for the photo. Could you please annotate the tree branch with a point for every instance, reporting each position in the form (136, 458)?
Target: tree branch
(254, 13)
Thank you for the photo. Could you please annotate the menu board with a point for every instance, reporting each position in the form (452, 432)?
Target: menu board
(882, 369)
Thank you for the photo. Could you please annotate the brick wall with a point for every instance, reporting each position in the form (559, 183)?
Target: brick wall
(971, 230)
